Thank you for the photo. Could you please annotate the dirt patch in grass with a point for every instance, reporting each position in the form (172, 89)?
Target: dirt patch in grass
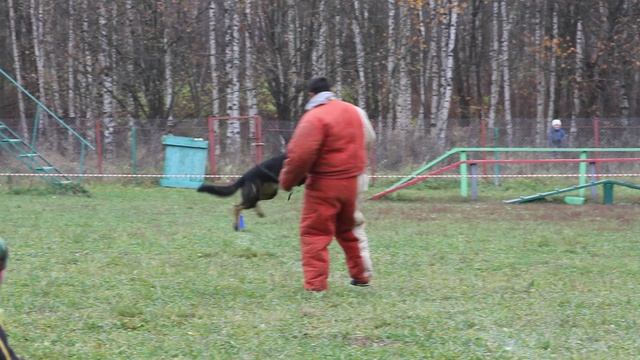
(621, 215)
(366, 341)
(558, 213)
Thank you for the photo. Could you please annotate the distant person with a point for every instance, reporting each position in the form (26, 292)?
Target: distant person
(556, 134)
(328, 146)
(6, 353)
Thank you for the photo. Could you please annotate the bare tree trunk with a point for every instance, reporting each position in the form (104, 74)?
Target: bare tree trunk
(213, 53)
(168, 78)
(494, 56)
(87, 85)
(436, 65)
(250, 83)
(23, 128)
(552, 67)
(71, 72)
(475, 57)
(360, 57)
(506, 76)
(107, 82)
(339, 54)
(573, 131)
(54, 137)
(424, 62)
(443, 115)
(128, 43)
(320, 43)
(232, 59)
(391, 63)
(624, 103)
(540, 74)
(37, 23)
(403, 94)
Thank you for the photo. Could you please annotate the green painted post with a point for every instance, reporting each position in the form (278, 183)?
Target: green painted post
(36, 126)
(496, 156)
(464, 172)
(134, 150)
(583, 171)
(608, 193)
(82, 153)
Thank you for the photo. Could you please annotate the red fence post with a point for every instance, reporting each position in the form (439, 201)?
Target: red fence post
(373, 156)
(483, 143)
(212, 146)
(99, 145)
(259, 143)
(596, 140)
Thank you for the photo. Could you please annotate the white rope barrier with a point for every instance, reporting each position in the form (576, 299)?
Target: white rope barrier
(410, 177)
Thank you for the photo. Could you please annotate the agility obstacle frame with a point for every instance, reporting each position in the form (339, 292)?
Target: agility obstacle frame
(464, 164)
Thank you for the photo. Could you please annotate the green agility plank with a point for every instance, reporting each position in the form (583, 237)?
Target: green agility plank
(607, 185)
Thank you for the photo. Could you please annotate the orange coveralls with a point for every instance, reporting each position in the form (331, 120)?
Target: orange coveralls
(327, 147)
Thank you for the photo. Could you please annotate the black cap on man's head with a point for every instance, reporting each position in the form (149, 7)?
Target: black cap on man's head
(318, 85)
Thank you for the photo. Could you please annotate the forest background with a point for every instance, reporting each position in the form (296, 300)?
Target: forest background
(431, 74)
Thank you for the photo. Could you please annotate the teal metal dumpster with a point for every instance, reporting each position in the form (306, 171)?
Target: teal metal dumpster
(184, 161)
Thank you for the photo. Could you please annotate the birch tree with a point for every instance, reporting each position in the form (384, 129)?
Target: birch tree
(434, 50)
(360, 55)
(37, 24)
(449, 42)
(23, 129)
(213, 52)
(403, 92)
(579, 59)
(71, 68)
(232, 59)
(87, 85)
(168, 78)
(553, 66)
(250, 83)
(106, 81)
(391, 62)
(129, 63)
(539, 48)
(338, 53)
(423, 69)
(494, 56)
(506, 74)
(320, 42)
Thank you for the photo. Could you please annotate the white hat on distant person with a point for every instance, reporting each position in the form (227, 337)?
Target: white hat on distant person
(555, 122)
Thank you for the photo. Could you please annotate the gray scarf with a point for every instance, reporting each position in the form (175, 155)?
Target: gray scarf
(320, 98)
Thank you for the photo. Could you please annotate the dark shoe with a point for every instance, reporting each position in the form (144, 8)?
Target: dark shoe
(355, 282)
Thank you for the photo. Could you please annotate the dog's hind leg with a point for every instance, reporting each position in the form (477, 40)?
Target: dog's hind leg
(259, 211)
(236, 216)
(265, 191)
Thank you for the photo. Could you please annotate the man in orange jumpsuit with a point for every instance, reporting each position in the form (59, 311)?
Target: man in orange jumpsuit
(328, 147)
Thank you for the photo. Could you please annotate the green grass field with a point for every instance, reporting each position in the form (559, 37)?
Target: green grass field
(154, 273)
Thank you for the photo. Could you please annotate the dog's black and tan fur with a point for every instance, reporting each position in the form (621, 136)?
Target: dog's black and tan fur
(259, 183)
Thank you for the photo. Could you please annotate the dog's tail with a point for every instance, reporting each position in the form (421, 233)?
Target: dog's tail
(220, 190)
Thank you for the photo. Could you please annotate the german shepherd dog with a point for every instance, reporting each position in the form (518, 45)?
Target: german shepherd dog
(259, 183)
